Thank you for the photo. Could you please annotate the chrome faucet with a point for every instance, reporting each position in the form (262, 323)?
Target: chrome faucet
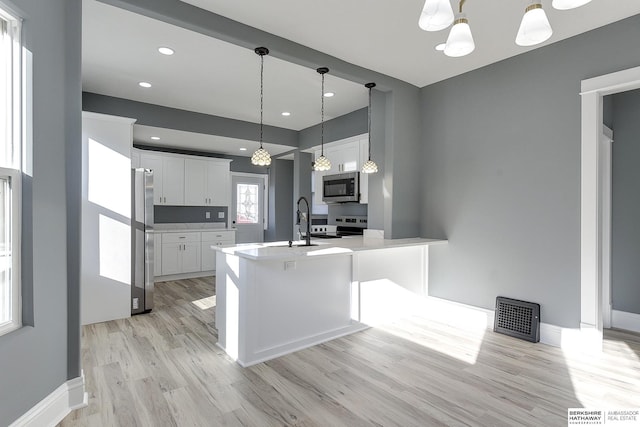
(308, 219)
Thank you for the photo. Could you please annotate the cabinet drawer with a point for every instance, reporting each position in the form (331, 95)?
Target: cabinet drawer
(216, 236)
(180, 237)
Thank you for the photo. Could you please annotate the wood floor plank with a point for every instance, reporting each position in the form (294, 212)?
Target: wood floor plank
(164, 369)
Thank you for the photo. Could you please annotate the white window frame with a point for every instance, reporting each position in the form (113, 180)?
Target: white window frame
(11, 170)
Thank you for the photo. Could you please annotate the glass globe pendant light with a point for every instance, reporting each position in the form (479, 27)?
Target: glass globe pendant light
(460, 41)
(322, 163)
(535, 27)
(369, 166)
(261, 157)
(436, 15)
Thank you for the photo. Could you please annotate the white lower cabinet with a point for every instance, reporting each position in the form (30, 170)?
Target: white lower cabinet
(214, 238)
(189, 252)
(180, 253)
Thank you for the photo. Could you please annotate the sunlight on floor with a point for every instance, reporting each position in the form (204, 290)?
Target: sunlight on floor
(397, 311)
(590, 372)
(205, 303)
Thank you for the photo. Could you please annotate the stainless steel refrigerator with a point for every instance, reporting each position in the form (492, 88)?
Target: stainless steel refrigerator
(141, 240)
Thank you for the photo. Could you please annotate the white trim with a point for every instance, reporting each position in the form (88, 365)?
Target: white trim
(180, 276)
(52, 409)
(607, 84)
(108, 117)
(468, 317)
(591, 298)
(625, 320)
(605, 231)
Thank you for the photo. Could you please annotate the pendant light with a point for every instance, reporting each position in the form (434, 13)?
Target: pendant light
(322, 163)
(535, 27)
(460, 41)
(568, 4)
(436, 15)
(261, 157)
(369, 166)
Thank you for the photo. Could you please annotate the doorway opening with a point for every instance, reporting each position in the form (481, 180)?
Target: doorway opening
(593, 253)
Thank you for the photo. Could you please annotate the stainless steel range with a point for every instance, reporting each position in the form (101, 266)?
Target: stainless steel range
(344, 226)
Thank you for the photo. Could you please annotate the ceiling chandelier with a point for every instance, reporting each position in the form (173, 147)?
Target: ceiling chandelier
(534, 28)
(322, 163)
(261, 157)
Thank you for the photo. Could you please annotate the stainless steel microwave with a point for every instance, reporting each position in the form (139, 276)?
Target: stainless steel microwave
(341, 188)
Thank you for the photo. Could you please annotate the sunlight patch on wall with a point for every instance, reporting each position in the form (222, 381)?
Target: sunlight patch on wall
(109, 181)
(115, 249)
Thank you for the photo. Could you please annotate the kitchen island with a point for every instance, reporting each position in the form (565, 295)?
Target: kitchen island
(273, 299)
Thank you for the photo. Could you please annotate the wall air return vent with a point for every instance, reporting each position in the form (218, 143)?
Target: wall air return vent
(519, 319)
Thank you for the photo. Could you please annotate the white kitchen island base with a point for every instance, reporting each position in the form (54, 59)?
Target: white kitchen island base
(273, 300)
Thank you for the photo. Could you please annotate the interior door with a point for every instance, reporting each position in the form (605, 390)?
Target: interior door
(247, 208)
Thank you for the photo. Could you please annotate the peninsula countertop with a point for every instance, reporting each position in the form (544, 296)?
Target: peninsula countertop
(320, 247)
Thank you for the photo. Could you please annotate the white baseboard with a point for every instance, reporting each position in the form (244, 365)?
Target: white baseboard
(181, 276)
(53, 408)
(469, 317)
(625, 320)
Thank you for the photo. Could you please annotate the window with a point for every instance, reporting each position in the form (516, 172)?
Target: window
(248, 207)
(10, 173)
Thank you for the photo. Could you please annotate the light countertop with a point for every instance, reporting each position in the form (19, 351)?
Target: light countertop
(195, 226)
(322, 247)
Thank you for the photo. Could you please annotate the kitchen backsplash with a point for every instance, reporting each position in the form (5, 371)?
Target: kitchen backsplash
(189, 214)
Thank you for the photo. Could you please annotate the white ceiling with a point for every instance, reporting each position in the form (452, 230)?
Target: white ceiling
(384, 36)
(214, 77)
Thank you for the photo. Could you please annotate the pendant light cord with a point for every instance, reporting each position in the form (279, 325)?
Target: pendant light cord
(261, 94)
(461, 4)
(369, 125)
(322, 118)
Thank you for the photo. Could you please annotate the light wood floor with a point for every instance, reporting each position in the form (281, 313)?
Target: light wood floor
(163, 369)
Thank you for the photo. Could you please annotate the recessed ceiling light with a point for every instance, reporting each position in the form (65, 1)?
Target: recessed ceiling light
(328, 94)
(145, 84)
(441, 46)
(165, 50)
(243, 149)
(155, 138)
(286, 113)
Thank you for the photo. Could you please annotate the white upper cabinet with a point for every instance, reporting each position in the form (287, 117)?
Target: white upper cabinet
(345, 156)
(188, 181)
(173, 181)
(168, 178)
(207, 182)
(195, 180)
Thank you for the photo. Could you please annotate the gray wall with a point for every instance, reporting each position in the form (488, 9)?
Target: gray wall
(281, 209)
(351, 124)
(173, 118)
(625, 212)
(501, 175)
(39, 358)
(189, 214)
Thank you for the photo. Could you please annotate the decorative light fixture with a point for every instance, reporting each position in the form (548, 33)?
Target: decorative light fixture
(568, 4)
(369, 166)
(436, 15)
(322, 163)
(261, 157)
(535, 27)
(460, 41)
